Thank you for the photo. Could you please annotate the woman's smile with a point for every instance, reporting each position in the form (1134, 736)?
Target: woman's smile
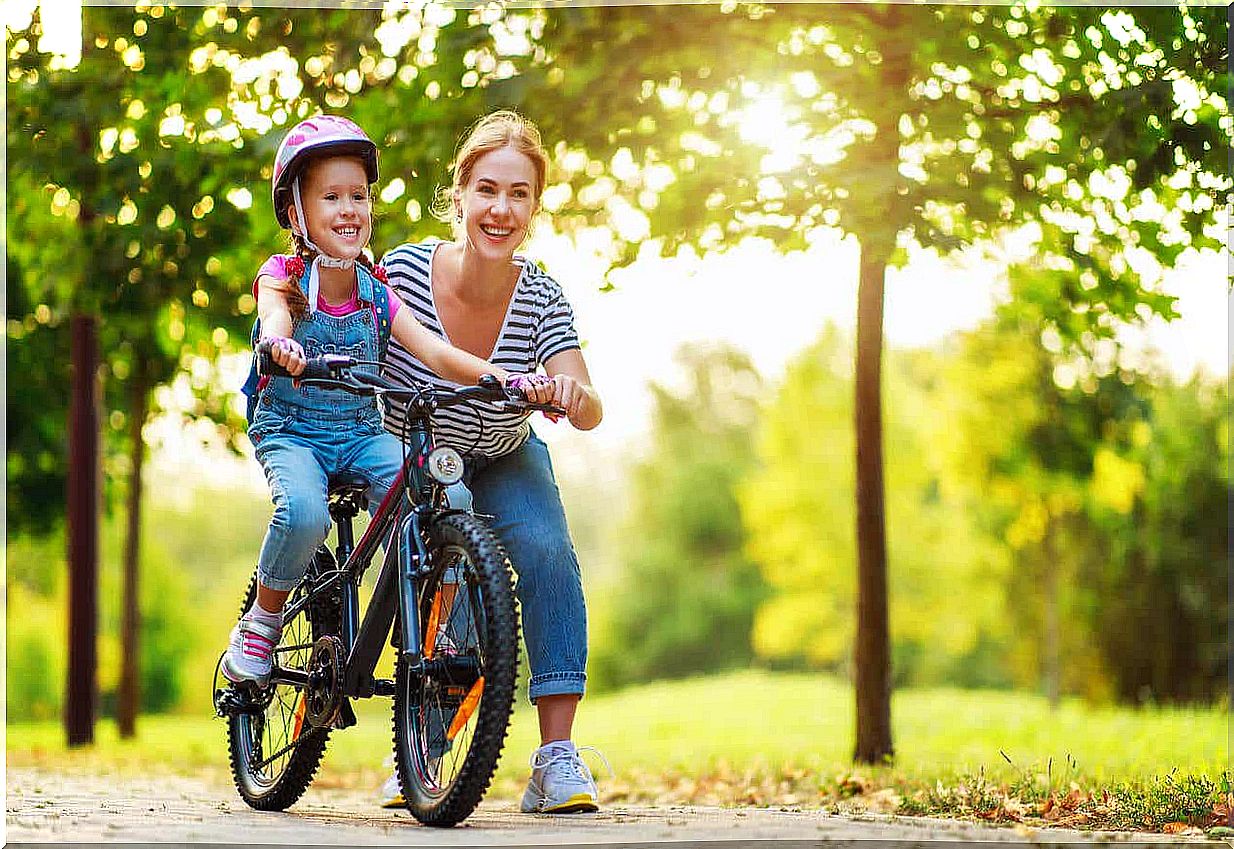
(498, 202)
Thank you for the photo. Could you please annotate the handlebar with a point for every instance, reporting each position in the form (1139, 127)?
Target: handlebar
(334, 371)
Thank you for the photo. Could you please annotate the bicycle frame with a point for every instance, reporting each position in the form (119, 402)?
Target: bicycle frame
(396, 525)
(408, 505)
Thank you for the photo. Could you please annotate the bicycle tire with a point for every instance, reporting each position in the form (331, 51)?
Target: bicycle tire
(278, 785)
(444, 777)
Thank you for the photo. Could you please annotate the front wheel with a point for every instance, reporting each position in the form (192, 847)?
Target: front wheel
(453, 697)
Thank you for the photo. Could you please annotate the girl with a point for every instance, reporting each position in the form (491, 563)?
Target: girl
(328, 298)
(477, 293)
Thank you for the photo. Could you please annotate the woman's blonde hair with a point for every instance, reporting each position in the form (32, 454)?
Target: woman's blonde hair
(503, 128)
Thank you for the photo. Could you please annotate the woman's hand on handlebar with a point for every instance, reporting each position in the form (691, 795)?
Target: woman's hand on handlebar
(286, 352)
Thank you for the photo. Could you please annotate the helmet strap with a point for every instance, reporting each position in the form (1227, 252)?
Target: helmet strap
(320, 258)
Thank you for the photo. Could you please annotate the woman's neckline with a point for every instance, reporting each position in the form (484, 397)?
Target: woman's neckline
(505, 320)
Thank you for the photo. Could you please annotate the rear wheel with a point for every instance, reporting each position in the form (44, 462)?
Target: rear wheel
(450, 721)
(274, 751)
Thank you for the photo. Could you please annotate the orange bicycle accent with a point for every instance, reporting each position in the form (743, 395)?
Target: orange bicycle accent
(301, 706)
(466, 709)
(430, 633)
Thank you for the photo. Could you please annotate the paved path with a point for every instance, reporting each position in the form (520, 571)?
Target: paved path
(45, 806)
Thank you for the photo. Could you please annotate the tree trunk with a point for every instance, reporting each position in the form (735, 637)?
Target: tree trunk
(1053, 666)
(872, 655)
(83, 530)
(129, 696)
(877, 225)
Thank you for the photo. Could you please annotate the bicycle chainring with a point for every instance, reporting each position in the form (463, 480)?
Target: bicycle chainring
(324, 695)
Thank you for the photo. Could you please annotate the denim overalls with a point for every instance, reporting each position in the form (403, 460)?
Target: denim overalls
(303, 435)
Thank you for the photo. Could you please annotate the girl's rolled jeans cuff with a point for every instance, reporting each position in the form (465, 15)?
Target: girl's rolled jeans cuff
(277, 584)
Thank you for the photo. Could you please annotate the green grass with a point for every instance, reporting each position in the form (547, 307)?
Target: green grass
(761, 738)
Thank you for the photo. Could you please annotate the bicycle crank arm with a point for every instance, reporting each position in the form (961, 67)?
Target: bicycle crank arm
(292, 677)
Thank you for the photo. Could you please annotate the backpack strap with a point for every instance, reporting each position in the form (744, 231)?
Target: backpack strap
(381, 316)
(253, 384)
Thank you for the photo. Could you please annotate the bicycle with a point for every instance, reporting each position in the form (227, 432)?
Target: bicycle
(444, 598)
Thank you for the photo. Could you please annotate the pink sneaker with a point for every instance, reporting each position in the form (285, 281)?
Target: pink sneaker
(250, 651)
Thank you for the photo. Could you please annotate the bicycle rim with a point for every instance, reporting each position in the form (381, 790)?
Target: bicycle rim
(451, 723)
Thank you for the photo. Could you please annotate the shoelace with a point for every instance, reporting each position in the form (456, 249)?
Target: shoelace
(572, 758)
(256, 639)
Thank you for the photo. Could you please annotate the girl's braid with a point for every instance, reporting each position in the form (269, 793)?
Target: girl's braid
(297, 303)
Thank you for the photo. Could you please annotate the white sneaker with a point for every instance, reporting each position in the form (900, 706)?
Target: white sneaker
(250, 651)
(560, 782)
(392, 794)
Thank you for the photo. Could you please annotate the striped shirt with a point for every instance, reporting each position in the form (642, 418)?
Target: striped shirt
(539, 323)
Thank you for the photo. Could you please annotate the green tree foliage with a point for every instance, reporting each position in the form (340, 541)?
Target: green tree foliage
(1161, 579)
(687, 593)
(936, 125)
(940, 125)
(35, 458)
(1055, 523)
(1107, 486)
(119, 210)
(190, 594)
(797, 512)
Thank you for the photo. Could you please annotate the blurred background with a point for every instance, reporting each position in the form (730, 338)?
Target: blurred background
(1042, 192)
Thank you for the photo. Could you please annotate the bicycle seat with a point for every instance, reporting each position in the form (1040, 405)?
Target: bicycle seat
(346, 496)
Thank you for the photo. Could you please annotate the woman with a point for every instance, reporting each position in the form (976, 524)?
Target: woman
(477, 294)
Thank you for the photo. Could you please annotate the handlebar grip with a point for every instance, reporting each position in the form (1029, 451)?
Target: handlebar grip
(492, 384)
(316, 368)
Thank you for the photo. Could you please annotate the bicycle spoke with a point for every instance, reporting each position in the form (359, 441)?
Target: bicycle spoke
(287, 748)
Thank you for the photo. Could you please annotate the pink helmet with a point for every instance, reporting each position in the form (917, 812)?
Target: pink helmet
(314, 136)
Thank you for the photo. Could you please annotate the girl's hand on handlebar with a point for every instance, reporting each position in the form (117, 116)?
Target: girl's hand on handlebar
(536, 388)
(287, 353)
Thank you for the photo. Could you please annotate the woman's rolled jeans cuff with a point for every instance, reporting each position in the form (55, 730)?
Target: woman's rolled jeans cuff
(557, 684)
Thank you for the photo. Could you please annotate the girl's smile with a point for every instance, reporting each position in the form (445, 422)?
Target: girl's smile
(335, 196)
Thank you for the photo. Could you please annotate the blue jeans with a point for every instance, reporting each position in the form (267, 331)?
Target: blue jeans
(517, 496)
(298, 455)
